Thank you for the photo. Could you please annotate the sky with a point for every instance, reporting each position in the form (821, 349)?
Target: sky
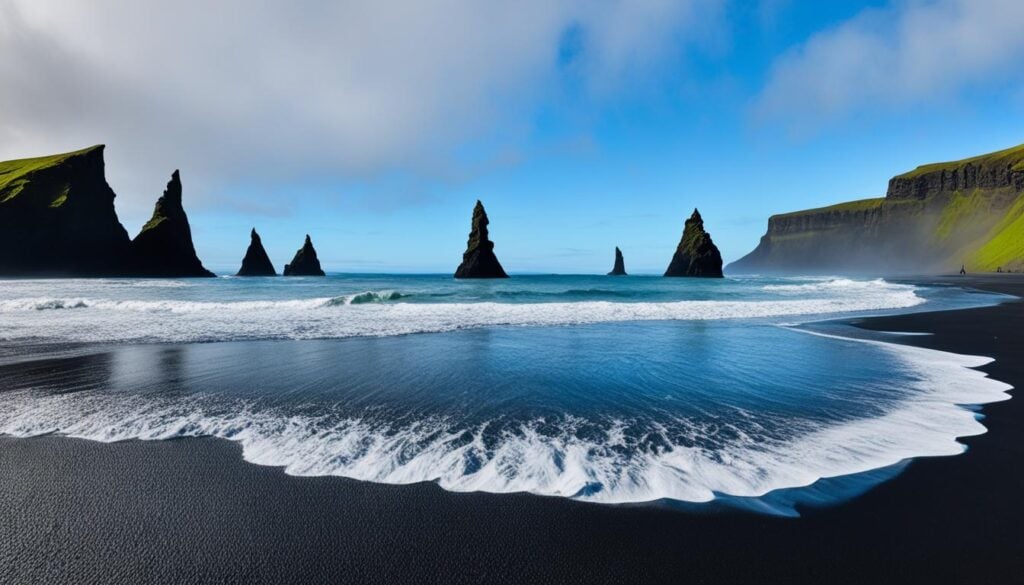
(582, 125)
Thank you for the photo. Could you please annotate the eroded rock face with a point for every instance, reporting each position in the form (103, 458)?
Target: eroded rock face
(256, 261)
(932, 220)
(305, 262)
(696, 254)
(619, 269)
(164, 246)
(479, 260)
(57, 217)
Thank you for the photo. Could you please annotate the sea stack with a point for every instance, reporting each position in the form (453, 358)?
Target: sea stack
(256, 261)
(620, 265)
(164, 246)
(479, 260)
(57, 217)
(305, 262)
(696, 255)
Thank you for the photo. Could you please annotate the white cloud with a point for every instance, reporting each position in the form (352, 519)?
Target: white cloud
(268, 91)
(909, 53)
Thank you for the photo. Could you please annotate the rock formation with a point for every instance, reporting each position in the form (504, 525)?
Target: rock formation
(57, 217)
(932, 219)
(696, 254)
(305, 262)
(620, 265)
(164, 246)
(256, 261)
(479, 260)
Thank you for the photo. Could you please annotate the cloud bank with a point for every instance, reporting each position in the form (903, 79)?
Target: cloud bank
(263, 92)
(910, 53)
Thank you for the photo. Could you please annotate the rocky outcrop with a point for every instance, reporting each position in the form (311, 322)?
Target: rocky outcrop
(933, 219)
(479, 260)
(164, 246)
(696, 254)
(256, 261)
(57, 217)
(305, 262)
(619, 269)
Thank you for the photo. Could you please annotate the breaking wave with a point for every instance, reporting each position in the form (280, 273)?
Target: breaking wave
(387, 313)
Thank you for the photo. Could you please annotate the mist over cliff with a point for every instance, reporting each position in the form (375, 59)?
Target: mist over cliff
(932, 219)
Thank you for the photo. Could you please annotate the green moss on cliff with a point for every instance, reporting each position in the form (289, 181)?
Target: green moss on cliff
(1005, 245)
(1014, 157)
(14, 174)
(847, 207)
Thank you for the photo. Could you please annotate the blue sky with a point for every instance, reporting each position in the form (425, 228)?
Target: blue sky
(581, 125)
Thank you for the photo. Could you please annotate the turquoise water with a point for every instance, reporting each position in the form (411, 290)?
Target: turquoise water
(596, 388)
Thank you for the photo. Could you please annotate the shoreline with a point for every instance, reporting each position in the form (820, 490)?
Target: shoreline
(194, 510)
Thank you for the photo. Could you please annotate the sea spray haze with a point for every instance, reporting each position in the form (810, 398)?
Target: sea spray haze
(601, 389)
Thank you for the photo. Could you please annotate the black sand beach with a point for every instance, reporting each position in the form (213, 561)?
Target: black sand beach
(192, 510)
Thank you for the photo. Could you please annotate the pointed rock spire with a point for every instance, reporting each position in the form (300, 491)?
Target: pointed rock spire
(479, 260)
(256, 261)
(696, 254)
(164, 246)
(620, 265)
(305, 262)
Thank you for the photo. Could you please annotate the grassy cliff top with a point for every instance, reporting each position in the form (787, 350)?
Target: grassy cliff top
(13, 172)
(849, 206)
(1014, 157)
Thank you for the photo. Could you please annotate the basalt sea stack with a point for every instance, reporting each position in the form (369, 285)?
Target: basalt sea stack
(305, 262)
(164, 246)
(696, 255)
(57, 217)
(620, 265)
(256, 261)
(479, 260)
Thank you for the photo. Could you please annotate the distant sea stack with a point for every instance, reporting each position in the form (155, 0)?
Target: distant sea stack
(696, 254)
(933, 219)
(620, 265)
(57, 217)
(305, 262)
(256, 261)
(164, 246)
(479, 260)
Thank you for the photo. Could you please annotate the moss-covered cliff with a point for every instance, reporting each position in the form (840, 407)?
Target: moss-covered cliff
(57, 217)
(932, 219)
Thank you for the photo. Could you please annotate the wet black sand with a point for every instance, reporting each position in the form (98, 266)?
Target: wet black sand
(193, 511)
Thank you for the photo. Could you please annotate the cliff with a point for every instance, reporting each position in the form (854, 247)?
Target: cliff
(164, 246)
(479, 260)
(619, 268)
(57, 217)
(256, 261)
(305, 262)
(932, 219)
(696, 254)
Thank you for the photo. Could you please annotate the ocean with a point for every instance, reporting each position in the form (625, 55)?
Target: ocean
(604, 389)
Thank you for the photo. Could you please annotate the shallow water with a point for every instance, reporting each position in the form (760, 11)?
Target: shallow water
(602, 389)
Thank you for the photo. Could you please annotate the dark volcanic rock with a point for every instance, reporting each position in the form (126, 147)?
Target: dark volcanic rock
(57, 217)
(305, 262)
(164, 246)
(696, 255)
(256, 261)
(620, 265)
(479, 260)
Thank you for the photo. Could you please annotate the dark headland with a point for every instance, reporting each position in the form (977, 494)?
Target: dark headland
(192, 510)
(479, 260)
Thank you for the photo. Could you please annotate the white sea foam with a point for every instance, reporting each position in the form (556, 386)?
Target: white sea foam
(612, 468)
(378, 313)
